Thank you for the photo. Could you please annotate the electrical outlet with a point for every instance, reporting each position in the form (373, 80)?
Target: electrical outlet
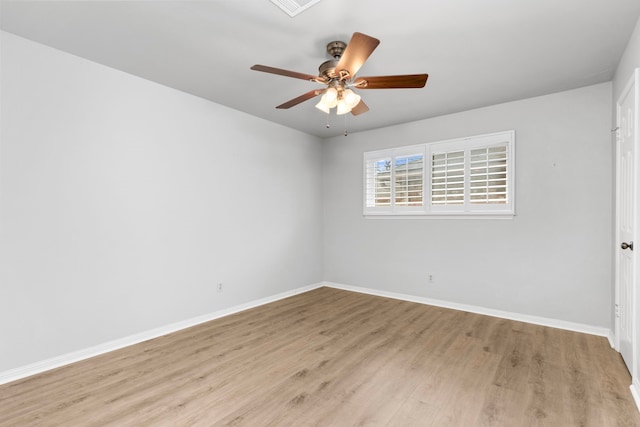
(431, 278)
(219, 287)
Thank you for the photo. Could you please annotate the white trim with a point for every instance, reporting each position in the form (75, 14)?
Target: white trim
(76, 356)
(536, 320)
(429, 210)
(635, 392)
(612, 340)
(422, 215)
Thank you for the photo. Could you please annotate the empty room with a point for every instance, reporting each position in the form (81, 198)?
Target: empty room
(319, 213)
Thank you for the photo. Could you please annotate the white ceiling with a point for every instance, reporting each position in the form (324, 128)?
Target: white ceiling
(476, 53)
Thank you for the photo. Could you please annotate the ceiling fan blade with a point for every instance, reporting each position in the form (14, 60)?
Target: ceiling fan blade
(358, 50)
(360, 108)
(301, 98)
(391, 82)
(282, 72)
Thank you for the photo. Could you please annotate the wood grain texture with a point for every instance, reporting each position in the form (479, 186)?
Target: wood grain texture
(335, 358)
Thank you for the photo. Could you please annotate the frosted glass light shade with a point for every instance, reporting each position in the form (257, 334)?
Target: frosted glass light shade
(343, 108)
(322, 106)
(351, 98)
(330, 97)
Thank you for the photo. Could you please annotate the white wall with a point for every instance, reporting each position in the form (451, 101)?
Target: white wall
(119, 208)
(124, 202)
(552, 260)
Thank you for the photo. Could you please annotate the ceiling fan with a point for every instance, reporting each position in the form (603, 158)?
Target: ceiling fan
(339, 75)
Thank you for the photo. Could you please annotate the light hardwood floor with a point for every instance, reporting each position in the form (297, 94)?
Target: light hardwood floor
(336, 358)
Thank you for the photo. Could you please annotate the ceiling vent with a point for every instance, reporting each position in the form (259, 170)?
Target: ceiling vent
(294, 7)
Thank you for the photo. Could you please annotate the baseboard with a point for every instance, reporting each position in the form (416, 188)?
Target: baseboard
(543, 321)
(76, 356)
(635, 392)
(612, 340)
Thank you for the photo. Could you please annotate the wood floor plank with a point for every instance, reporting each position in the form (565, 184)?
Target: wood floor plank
(512, 373)
(333, 358)
(414, 413)
(543, 401)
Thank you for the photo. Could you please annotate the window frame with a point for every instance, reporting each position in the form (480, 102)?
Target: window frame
(429, 209)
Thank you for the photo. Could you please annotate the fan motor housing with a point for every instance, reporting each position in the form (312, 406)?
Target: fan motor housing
(328, 69)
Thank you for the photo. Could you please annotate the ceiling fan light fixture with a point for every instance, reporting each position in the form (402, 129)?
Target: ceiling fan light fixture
(331, 97)
(351, 98)
(343, 108)
(322, 106)
(338, 74)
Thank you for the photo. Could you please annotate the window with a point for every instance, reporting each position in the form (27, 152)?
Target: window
(395, 180)
(468, 176)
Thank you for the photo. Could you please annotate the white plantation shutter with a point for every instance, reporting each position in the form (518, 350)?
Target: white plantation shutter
(488, 175)
(394, 180)
(447, 178)
(409, 177)
(378, 182)
(468, 176)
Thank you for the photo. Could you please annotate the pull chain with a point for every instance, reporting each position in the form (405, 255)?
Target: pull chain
(345, 125)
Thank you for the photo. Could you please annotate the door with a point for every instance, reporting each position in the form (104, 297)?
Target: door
(626, 220)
